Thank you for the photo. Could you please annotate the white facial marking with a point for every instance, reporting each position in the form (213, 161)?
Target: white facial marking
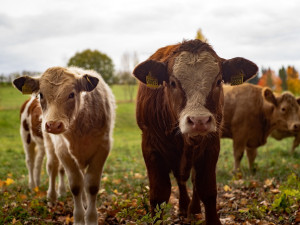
(196, 73)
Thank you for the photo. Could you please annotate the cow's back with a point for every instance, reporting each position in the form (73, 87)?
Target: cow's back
(244, 113)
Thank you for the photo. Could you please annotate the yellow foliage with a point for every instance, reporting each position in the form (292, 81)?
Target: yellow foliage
(226, 188)
(9, 181)
(294, 86)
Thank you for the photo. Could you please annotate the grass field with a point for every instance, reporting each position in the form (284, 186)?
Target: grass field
(124, 177)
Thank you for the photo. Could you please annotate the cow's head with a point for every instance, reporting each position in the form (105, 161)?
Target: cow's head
(285, 111)
(60, 92)
(192, 75)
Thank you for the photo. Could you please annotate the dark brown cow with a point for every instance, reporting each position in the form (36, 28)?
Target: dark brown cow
(251, 113)
(179, 110)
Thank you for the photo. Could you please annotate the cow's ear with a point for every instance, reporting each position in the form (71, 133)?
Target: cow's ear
(151, 72)
(238, 70)
(298, 100)
(269, 96)
(27, 85)
(87, 83)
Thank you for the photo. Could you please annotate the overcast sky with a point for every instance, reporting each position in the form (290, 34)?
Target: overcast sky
(37, 34)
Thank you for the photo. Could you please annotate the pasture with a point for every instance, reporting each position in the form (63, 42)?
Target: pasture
(271, 196)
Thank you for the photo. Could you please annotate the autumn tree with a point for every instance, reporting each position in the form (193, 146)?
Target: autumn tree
(200, 36)
(94, 60)
(283, 77)
(269, 79)
(293, 82)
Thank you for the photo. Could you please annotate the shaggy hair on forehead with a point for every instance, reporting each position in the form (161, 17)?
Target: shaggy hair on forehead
(195, 46)
(287, 96)
(57, 75)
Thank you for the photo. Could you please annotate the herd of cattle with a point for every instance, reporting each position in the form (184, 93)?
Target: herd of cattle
(182, 108)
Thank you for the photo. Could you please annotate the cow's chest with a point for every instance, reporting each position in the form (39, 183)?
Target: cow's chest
(85, 148)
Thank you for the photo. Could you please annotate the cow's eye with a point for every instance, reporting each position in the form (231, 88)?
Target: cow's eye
(71, 95)
(219, 82)
(173, 84)
(41, 96)
(283, 109)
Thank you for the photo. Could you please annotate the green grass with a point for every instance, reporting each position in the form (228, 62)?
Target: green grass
(125, 170)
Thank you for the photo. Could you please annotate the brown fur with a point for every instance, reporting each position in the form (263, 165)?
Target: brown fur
(251, 113)
(165, 148)
(35, 111)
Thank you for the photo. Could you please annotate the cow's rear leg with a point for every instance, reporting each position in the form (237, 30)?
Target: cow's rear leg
(251, 154)
(238, 152)
(159, 180)
(52, 168)
(30, 160)
(39, 159)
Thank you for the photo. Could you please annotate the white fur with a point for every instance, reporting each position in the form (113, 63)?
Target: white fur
(196, 73)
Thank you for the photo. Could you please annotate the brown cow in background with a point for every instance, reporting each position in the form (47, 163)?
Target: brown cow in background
(279, 134)
(179, 110)
(251, 113)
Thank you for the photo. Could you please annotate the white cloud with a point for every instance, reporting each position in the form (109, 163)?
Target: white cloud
(36, 34)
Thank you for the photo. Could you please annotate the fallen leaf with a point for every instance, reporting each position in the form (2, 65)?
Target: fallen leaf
(243, 210)
(275, 191)
(269, 182)
(9, 181)
(244, 201)
(226, 188)
(36, 189)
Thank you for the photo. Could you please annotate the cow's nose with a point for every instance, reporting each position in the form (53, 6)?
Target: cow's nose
(55, 127)
(201, 120)
(200, 123)
(296, 127)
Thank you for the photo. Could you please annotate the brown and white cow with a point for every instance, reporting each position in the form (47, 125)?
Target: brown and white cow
(179, 110)
(78, 112)
(279, 134)
(251, 113)
(36, 143)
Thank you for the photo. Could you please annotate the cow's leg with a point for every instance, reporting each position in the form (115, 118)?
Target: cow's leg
(238, 152)
(92, 179)
(296, 142)
(184, 199)
(61, 181)
(251, 154)
(29, 149)
(52, 168)
(205, 182)
(159, 179)
(75, 178)
(39, 159)
(194, 207)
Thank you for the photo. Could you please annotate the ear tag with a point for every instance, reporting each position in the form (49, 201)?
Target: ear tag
(237, 79)
(26, 89)
(151, 81)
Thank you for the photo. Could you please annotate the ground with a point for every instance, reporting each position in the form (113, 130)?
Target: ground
(271, 196)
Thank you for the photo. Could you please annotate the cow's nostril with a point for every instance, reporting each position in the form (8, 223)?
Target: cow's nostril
(189, 120)
(296, 126)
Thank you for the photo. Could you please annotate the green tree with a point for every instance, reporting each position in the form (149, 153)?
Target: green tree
(94, 60)
(283, 77)
(200, 36)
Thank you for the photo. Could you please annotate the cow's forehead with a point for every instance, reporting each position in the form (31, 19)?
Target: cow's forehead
(56, 84)
(196, 73)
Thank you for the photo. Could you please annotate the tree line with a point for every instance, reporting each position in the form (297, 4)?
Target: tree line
(287, 79)
(94, 60)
